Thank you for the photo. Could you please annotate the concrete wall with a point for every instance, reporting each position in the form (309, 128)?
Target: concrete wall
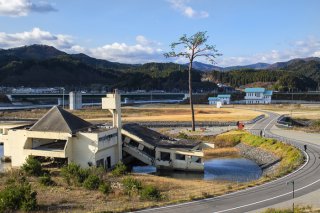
(84, 147)
(75, 100)
(15, 147)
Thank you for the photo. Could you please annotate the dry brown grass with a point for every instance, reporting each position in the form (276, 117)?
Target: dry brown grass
(63, 197)
(303, 111)
(230, 152)
(150, 113)
(182, 113)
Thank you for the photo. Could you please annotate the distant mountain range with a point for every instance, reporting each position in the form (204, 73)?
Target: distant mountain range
(41, 65)
(257, 66)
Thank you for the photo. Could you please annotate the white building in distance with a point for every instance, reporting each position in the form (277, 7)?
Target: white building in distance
(258, 96)
(224, 99)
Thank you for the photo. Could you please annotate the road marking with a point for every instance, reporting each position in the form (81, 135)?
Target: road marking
(210, 199)
(268, 198)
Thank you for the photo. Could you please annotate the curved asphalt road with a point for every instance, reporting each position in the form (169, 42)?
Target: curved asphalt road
(307, 179)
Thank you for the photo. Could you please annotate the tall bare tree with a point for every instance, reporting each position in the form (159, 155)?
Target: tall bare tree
(193, 47)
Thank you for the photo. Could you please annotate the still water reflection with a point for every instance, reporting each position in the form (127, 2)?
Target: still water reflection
(235, 169)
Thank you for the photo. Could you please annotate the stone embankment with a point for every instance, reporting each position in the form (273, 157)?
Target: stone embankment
(267, 161)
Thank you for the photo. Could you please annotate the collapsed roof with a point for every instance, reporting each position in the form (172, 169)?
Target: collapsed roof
(157, 139)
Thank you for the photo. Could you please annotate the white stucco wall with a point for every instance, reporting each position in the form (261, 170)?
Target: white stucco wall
(14, 147)
(84, 147)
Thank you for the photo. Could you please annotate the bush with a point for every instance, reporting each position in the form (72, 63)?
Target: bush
(32, 167)
(105, 187)
(74, 174)
(18, 196)
(92, 182)
(46, 180)
(131, 185)
(119, 170)
(150, 193)
(183, 135)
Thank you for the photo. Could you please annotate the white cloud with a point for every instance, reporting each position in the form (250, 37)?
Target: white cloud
(181, 5)
(298, 49)
(316, 54)
(35, 36)
(17, 8)
(143, 51)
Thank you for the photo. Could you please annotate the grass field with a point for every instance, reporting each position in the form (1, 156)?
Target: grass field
(156, 112)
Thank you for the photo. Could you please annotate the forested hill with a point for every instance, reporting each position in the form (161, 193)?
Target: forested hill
(300, 75)
(41, 66)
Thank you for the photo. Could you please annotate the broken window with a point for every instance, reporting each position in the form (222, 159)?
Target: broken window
(165, 156)
(180, 157)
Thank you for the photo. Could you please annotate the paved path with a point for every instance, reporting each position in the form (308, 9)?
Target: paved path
(312, 198)
(307, 180)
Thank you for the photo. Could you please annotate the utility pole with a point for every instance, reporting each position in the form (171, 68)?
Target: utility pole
(292, 182)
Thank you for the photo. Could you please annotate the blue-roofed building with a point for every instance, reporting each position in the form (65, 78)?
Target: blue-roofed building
(213, 100)
(258, 96)
(223, 99)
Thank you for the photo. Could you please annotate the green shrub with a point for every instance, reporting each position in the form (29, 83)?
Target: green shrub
(150, 192)
(32, 167)
(46, 180)
(18, 196)
(119, 170)
(105, 187)
(131, 185)
(74, 174)
(92, 182)
(183, 135)
(99, 171)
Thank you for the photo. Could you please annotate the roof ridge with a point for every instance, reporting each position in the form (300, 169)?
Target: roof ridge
(59, 120)
(64, 118)
(49, 111)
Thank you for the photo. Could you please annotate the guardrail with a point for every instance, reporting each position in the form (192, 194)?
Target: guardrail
(258, 118)
(282, 123)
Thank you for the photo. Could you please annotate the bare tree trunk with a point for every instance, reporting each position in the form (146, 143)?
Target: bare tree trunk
(190, 98)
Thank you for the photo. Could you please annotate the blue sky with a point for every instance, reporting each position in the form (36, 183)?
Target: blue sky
(140, 31)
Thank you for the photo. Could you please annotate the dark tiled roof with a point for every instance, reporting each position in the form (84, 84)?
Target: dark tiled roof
(59, 120)
(157, 139)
